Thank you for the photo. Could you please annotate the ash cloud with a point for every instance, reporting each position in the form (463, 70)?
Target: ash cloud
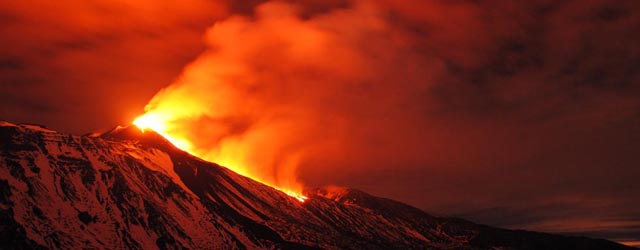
(487, 102)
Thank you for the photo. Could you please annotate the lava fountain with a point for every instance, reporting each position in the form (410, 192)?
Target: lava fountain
(161, 124)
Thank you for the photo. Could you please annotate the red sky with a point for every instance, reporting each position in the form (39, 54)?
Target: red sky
(524, 115)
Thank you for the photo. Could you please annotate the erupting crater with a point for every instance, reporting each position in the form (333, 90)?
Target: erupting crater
(161, 126)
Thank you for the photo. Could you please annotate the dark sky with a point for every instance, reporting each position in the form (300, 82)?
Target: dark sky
(522, 114)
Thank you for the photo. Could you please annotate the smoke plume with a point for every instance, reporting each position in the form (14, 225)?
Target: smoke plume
(493, 103)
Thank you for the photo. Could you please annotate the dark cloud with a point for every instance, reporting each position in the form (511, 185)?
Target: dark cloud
(9, 63)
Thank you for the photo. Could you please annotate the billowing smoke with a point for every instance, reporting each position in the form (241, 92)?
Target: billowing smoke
(275, 89)
(444, 104)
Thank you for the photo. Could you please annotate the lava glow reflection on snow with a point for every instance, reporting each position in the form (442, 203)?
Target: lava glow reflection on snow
(160, 125)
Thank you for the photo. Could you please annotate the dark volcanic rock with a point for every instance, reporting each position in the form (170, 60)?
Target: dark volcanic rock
(128, 189)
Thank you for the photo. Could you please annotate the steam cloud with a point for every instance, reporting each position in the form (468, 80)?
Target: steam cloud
(413, 84)
(275, 90)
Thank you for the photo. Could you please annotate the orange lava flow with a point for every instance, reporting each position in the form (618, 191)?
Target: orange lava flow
(159, 123)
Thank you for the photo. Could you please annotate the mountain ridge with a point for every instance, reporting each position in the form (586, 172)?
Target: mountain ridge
(134, 190)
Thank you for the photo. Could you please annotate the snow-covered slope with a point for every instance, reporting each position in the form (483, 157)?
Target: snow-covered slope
(130, 190)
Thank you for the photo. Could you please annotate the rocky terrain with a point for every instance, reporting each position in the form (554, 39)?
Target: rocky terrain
(125, 189)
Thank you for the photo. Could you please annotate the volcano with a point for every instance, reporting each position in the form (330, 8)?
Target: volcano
(127, 189)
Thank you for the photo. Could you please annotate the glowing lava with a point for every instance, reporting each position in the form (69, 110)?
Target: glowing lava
(162, 126)
(299, 197)
(157, 124)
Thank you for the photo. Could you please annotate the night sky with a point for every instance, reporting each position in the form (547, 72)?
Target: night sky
(519, 114)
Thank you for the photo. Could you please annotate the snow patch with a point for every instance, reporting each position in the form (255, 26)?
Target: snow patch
(37, 128)
(159, 161)
(7, 124)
